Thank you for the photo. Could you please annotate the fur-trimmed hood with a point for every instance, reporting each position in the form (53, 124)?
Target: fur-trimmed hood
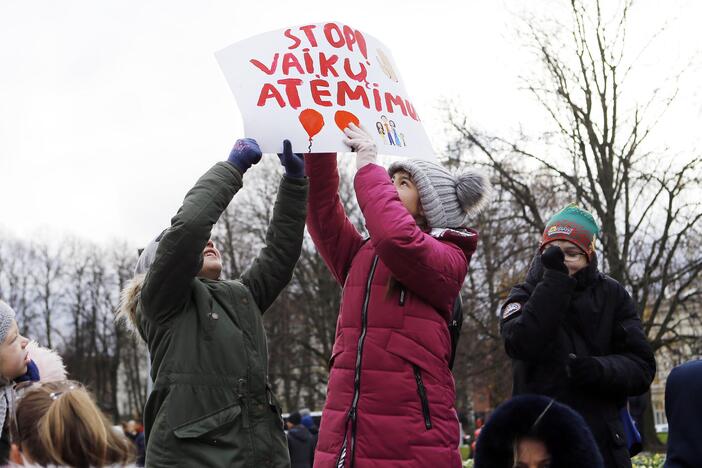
(129, 297)
(564, 432)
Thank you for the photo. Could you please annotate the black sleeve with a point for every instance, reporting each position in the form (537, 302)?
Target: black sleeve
(630, 369)
(532, 315)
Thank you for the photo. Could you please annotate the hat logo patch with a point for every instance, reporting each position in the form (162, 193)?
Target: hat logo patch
(511, 309)
(559, 229)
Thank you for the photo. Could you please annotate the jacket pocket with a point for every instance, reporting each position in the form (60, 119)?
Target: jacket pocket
(422, 391)
(209, 427)
(337, 349)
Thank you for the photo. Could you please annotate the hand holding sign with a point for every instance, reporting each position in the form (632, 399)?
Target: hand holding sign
(362, 143)
(343, 119)
(244, 154)
(293, 163)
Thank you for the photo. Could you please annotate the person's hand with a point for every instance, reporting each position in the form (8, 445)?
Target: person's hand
(245, 154)
(585, 370)
(554, 259)
(362, 143)
(293, 163)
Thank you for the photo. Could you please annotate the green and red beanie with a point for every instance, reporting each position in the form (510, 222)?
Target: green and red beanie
(574, 225)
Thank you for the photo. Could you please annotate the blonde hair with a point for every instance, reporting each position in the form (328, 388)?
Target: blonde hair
(59, 423)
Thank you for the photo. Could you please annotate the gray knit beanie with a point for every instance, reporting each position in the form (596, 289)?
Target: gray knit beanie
(7, 315)
(147, 256)
(448, 200)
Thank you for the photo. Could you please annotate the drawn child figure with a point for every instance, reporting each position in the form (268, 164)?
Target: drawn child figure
(390, 398)
(394, 133)
(381, 131)
(387, 129)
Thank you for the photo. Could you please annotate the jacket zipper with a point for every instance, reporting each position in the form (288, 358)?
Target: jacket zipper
(402, 296)
(357, 375)
(422, 396)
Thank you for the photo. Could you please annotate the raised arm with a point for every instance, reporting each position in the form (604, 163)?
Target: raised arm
(532, 314)
(178, 257)
(333, 234)
(272, 270)
(179, 253)
(432, 269)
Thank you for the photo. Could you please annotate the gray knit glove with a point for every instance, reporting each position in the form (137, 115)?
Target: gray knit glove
(362, 143)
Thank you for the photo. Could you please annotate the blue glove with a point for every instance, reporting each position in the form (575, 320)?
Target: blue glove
(293, 163)
(32, 373)
(245, 154)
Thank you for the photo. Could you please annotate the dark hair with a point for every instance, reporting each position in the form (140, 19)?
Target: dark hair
(295, 418)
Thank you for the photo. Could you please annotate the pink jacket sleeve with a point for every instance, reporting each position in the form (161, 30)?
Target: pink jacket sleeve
(431, 269)
(333, 234)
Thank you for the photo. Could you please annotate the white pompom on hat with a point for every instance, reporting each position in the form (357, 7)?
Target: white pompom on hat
(448, 200)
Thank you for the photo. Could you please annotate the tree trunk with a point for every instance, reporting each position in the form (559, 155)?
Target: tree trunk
(651, 442)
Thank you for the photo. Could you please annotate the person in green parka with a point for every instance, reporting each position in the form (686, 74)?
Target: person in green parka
(211, 403)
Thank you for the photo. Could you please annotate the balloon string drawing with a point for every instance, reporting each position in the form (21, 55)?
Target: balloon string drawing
(312, 121)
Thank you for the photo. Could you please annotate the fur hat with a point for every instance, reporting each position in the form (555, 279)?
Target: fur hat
(563, 431)
(7, 315)
(448, 200)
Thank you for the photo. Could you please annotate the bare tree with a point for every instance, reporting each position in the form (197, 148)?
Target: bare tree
(47, 278)
(17, 284)
(645, 201)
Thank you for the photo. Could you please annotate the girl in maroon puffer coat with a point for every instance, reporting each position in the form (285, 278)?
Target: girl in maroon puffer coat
(390, 398)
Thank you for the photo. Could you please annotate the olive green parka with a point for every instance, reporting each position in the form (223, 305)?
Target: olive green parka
(211, 404)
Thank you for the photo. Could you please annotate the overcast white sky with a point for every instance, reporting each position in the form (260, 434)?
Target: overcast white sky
(110, 110)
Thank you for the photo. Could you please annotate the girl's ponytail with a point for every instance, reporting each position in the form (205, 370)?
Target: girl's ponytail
(59, 423)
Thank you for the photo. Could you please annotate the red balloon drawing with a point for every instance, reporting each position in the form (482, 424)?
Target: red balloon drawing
(313, 122)
(344, 118)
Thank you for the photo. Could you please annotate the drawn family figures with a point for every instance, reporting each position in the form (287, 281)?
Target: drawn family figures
(388, 130)
(211, 404)
(391, 394)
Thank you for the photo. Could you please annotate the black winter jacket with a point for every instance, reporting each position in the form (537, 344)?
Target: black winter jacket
(552, 315)
(683, 407)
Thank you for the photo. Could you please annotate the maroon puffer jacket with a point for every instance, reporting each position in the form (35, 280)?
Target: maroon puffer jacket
(390, 398)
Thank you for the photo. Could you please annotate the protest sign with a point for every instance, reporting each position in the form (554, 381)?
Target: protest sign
(306, 83)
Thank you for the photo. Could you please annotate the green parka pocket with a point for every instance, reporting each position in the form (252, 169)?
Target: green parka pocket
(216, 428)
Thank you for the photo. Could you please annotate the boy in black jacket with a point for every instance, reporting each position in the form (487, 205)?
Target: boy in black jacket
(573, 333)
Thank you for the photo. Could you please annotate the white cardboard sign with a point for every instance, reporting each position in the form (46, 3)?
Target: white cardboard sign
(305, 84)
